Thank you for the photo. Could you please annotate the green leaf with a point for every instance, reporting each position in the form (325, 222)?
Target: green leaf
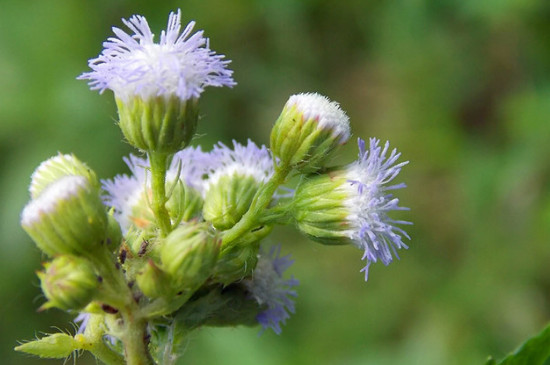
(533, 352)
(56, 346)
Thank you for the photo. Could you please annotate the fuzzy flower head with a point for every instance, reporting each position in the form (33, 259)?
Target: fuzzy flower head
(352, 205)
(234, 177)
(369, 202)
(249, 160)
(268, 287)
(181, 64)
(129, 195)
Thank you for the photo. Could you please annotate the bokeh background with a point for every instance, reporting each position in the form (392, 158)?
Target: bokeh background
(460, 87)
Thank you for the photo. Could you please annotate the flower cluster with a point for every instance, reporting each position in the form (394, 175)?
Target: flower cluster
(177, 244)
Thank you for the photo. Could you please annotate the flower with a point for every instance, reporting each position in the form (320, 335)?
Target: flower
(234, 178)
(351, 205)
(268, 287)
(249, 160)
(369, 203)
(126, 193)
(181, 64)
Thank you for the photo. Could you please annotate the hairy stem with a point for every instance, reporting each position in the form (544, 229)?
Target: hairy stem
(159, 163)
(135, 340)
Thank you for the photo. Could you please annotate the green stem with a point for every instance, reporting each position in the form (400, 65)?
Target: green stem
(135, 340)
(159, 163)
(260, 201)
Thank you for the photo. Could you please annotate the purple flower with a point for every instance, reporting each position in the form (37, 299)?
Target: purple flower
(180, 65)
(270, 289)
(369, 203)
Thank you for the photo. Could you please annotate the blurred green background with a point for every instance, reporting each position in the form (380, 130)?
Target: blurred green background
(460, 87)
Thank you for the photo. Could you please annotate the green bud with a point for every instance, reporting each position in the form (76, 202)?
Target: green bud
(319, 208)
(308, 130)
(189, 254)
(184, 203)
(236, 262)
(68, 282)
(68, 217)
(158, 124)
(228, 198)
(57, 167)
(153, 282)
(56, 346)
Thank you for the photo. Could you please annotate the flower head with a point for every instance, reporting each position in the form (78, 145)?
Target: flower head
(352, 205)
(249, 160)
(181, 64)
(270, 289)
(369, 203)
(127, 194)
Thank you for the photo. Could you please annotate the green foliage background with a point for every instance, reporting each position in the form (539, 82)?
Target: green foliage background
(461, 87)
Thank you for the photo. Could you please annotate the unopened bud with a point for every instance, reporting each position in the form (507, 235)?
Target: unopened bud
(309, 128)
(57, 167)
(68, 217)
(68, 282)
(189, 254)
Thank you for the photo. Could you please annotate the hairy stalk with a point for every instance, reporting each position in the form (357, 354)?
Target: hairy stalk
(135, 340)
(159, 163)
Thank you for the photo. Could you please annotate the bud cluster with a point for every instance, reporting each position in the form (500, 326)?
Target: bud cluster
(177, 243)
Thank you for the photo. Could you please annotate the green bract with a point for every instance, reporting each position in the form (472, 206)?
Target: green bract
(158, 124)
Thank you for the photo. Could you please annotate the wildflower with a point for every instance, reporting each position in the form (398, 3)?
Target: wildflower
(234, 177)
(156, 85)
(352, 205)
(268, 287)
(309, 128)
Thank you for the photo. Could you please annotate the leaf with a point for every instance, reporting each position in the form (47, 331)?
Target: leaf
(56, 346)
(534, 351)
